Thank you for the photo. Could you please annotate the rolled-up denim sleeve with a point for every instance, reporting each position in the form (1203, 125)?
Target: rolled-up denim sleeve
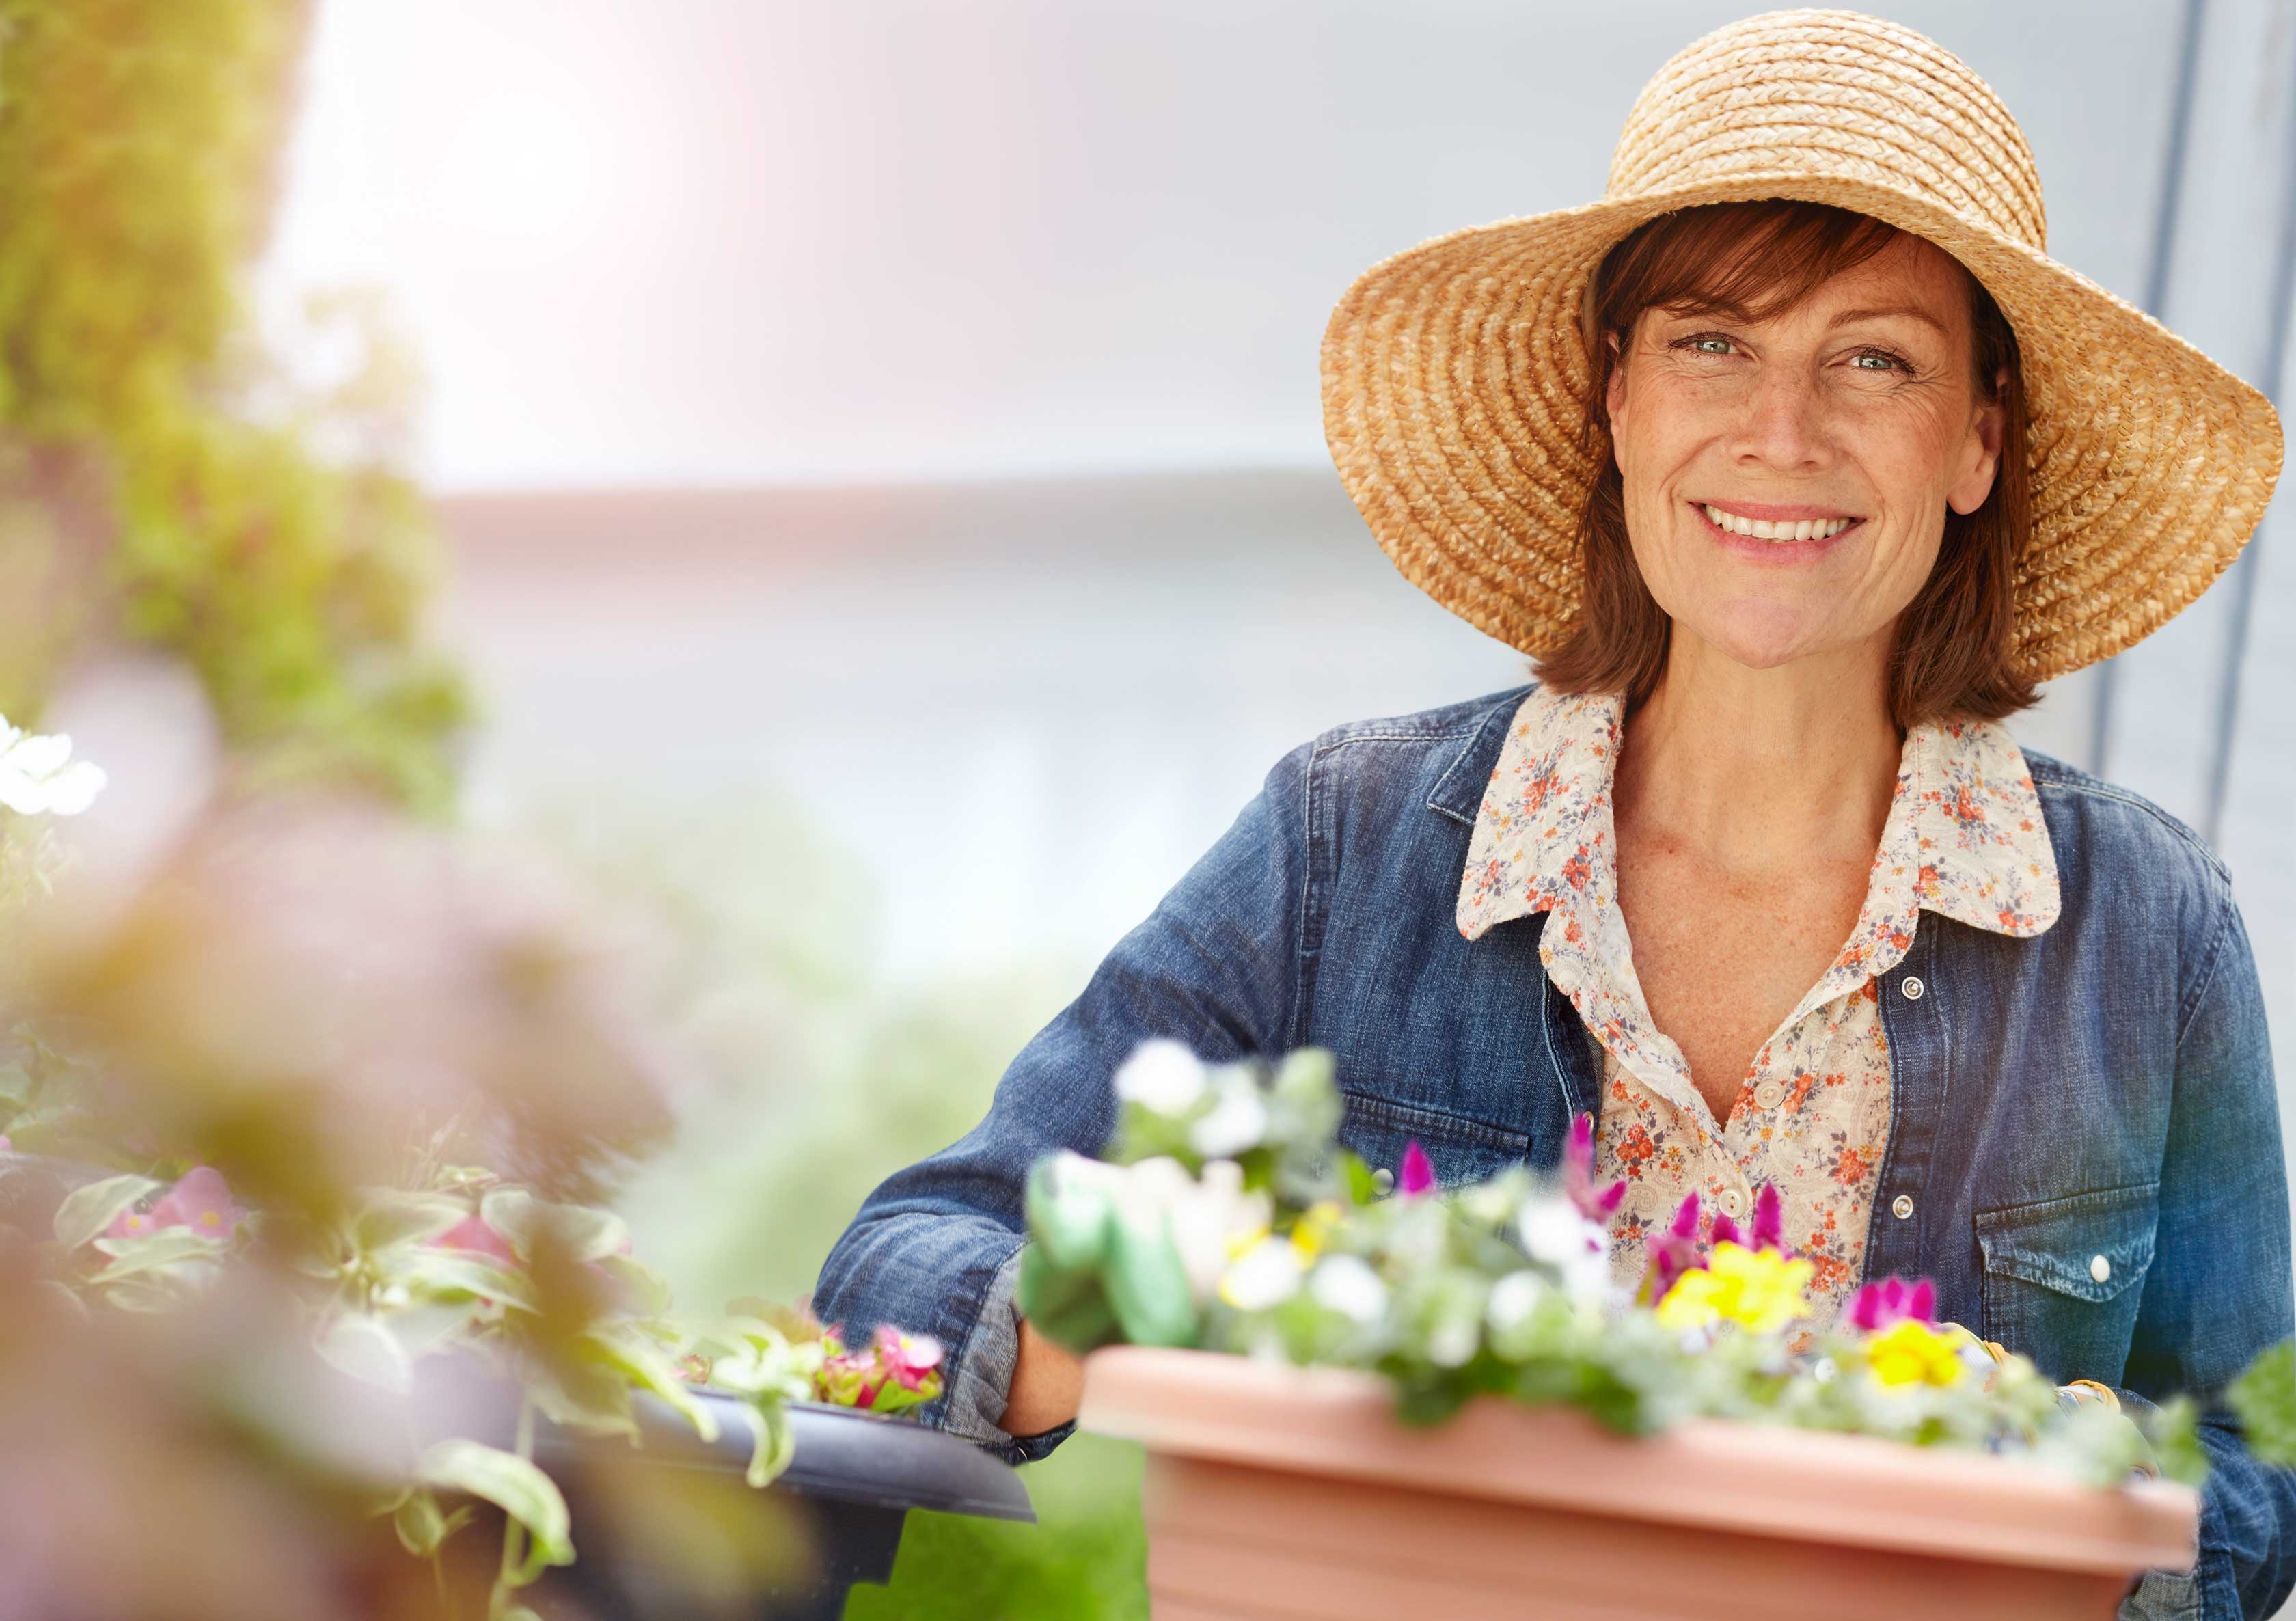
(935, 1248)
(2218, 1291)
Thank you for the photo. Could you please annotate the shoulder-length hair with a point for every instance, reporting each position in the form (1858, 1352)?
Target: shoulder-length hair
(1954, 656)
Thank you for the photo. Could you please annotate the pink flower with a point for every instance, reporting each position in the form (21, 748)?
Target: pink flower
(473, 1234)
(1417, 1175)
(1579, 1175)
(1877, 1306)
(1726, 1232)
(200, 1200)
(909, 1358)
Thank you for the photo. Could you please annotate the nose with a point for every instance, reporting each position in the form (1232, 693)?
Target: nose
(1785, 426)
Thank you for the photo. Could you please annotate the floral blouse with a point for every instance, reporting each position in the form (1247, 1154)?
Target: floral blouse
(1964, 839)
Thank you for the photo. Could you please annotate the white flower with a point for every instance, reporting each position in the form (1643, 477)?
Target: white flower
(39, 777)
(1554, 1232)
(1202, 1220)
(1345, 1284)
(1163, 1076)
(1206, 1221)
(1237, 1122)
(1265, 1276)
(1513, 1298)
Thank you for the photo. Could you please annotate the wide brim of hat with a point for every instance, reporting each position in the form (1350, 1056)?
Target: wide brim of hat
(1453, 378)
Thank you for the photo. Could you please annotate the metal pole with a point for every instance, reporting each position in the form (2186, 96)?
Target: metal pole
(2240, 581)
(2156, 298)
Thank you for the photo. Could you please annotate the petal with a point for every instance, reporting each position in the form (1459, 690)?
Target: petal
(39, 756)
(74, 789)
(1416, 1174)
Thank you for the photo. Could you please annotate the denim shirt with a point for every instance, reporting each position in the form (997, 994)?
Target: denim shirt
(2103, 1088)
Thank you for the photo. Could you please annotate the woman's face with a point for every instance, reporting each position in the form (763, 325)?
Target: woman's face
(1827, 441)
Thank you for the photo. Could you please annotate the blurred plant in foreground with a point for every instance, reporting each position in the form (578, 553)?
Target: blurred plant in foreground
(402, 1050)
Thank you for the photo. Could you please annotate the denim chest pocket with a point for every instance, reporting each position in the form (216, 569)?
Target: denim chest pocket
(2064, 1278)
(1461, 1150)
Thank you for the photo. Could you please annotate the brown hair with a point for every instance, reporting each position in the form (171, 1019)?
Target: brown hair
(1954, 655)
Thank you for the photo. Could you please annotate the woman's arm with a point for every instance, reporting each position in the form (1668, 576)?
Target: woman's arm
(936, 1249)
(2219, 1291)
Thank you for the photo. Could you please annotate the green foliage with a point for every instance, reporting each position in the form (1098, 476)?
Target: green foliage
(154, 449)
(2264, 1398)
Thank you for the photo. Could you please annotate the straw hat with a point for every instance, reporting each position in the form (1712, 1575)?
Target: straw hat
(1453, 373)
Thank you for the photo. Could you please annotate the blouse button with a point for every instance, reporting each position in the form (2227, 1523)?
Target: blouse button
(1902, 1206)
(2099, 1268)
(1912, 986)
(1733, 1202)
(1767, 1093)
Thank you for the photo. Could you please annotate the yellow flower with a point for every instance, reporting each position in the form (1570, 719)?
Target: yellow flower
(1911, 1352)
(1757, 1289)
(1314, 1227)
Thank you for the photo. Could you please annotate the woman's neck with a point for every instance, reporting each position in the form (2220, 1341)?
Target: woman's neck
(1759, 767)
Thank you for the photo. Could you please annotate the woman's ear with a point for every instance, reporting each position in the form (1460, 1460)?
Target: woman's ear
(1981, 453)
(1614, 391)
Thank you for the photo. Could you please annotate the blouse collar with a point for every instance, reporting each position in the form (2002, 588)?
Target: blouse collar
(1964, 835)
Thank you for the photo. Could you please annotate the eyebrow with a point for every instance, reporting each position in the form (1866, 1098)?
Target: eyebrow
(1849, 315)
(1730, 311)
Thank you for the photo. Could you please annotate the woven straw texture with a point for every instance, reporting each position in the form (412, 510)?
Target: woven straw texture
(1454, 375)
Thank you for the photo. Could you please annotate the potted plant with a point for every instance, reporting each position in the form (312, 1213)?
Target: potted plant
(1436, 1399)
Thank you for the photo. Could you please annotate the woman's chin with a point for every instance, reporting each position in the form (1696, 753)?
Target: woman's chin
(1761, 636)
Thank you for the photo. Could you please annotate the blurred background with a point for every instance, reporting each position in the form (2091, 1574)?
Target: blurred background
(865, 463)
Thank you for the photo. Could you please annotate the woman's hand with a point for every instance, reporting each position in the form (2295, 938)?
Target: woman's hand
(1047, 1385)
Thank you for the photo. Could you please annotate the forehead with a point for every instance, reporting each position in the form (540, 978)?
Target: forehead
(1906, 274)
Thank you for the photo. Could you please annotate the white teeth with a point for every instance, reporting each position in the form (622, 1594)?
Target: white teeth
(1814, 528)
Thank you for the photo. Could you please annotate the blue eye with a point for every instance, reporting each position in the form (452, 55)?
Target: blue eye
(1889, 363)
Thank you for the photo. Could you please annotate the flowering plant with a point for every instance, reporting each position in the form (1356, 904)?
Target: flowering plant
(1224, 1215)
(433, 1294)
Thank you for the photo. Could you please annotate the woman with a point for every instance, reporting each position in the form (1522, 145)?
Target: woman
(1795, 463)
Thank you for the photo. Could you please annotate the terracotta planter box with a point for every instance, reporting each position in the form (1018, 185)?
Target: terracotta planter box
(1279, 1492)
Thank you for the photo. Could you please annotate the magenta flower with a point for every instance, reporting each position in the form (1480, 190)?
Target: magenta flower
(1417, 1175)
(1726, 1232)
(1671, 1253)
(1877, 1306)
(1579, 1175)
(1769, 1221)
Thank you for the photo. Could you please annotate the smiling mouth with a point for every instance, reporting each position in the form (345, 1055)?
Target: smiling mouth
(1781, 534)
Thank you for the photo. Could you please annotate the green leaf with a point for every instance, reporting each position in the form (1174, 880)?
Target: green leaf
(1148, 1289)
(130, 1257)
(645, 1366)
(776, 1443)
(16, 1085)
(460, 1273)
(513, 1485)
(2264, 1399)
(391, 1217)
(644, 1293)
(363, 1348)
(585, 1235)
(87, 1211)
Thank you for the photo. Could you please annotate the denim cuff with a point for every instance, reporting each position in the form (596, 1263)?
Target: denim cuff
(982, 1382)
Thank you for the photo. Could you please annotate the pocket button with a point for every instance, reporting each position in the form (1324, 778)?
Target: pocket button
(2099, 1268)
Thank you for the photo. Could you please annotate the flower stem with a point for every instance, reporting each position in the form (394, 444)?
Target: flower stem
(513, 1534)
